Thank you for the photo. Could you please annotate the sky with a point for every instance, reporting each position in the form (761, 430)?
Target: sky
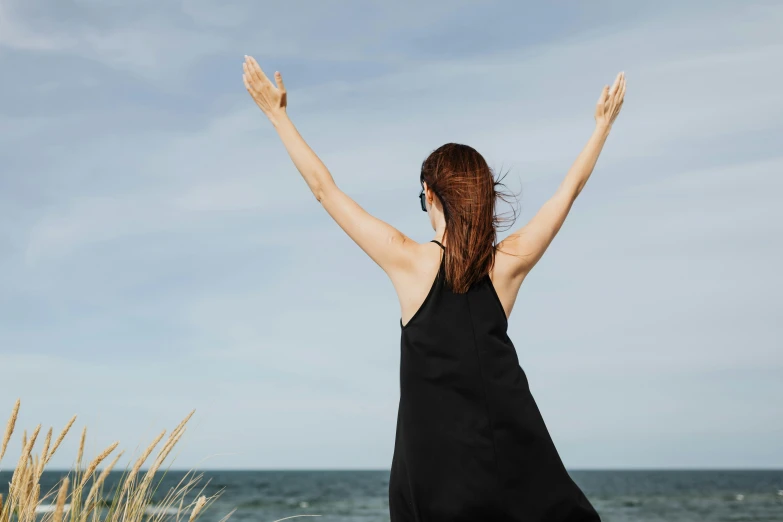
(159, 251)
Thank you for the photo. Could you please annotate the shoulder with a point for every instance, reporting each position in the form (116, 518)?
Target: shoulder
(506, 267)
(414, 255)
(415, 260)
(509, 260)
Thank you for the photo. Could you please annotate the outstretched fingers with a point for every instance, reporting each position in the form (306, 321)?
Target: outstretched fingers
(279, 81)
(245, 79)
(619, 98)
(622, 92)
(618, 90)
(604, 94)
(258, 73)
(611, 100)
(615, 85)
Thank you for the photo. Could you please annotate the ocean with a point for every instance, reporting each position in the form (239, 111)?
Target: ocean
(361, 496)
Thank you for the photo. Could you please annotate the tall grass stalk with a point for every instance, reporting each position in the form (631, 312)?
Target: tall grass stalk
(132, 501)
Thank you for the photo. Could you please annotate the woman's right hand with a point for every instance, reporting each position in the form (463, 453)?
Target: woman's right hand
(271, 99)
(610, 102)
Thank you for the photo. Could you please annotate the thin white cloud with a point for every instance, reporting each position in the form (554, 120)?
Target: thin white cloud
(238, 162)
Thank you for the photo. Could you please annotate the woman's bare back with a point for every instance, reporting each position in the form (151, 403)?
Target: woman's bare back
(412, 290)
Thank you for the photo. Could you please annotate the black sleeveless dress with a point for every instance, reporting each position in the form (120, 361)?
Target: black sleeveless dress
(471, 445)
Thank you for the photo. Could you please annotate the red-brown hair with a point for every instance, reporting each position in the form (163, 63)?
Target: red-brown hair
(467, 189)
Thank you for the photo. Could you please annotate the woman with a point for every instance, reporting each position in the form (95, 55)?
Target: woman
(471, 444)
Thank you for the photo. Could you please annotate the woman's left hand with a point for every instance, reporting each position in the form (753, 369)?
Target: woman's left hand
(610, 102)
(270, 99)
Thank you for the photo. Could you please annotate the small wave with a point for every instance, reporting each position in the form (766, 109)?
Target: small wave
(49, 508)
(161, 510)
(149, 510)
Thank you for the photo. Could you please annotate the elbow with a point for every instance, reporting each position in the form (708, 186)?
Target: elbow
(574, 189)
(322, 192)
(319, 194)
(570, 192)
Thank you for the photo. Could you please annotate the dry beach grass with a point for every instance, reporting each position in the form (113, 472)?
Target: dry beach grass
(80, 494)
(131, 500)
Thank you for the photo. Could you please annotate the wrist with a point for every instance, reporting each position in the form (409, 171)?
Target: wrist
(277, 117)
(602, 129)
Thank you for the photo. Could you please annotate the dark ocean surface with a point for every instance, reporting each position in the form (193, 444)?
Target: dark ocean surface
(361, 496)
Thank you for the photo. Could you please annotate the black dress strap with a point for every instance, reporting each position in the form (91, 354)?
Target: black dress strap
(438, 242)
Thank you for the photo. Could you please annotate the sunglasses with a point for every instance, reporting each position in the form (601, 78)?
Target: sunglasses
(422, 199)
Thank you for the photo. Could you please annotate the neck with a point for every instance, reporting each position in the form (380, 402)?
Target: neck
(439, 236)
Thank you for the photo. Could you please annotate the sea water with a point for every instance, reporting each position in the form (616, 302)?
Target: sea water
(361, 496)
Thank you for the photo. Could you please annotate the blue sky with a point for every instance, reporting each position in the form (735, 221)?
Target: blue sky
(159, 251)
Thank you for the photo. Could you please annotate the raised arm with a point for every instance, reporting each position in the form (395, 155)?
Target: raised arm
(530, 242)
(386, 245)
